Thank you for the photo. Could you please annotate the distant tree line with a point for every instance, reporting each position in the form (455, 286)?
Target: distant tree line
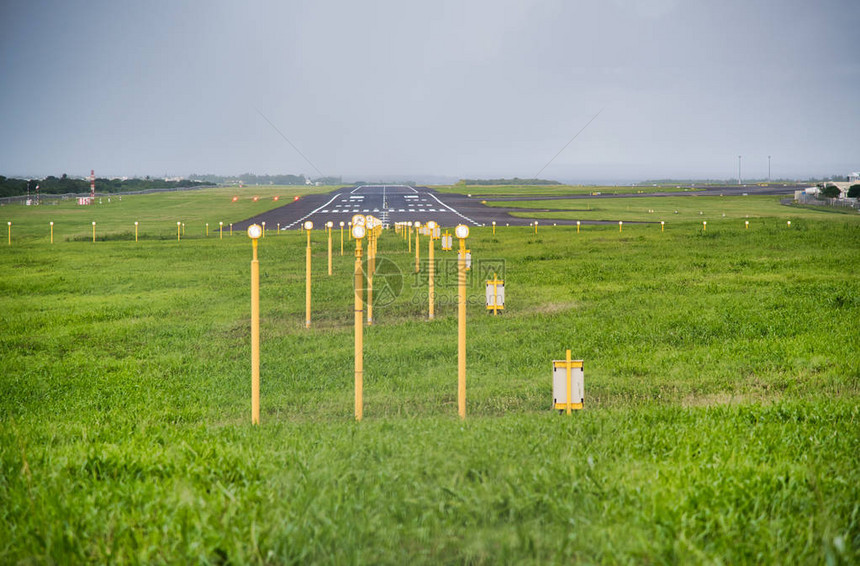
(514, 181)
(252, 179)
(10, 187)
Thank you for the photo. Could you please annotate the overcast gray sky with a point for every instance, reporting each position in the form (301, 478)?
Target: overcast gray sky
(440, 87)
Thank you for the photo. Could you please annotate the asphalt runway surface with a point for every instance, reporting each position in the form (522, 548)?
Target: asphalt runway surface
(403, 203)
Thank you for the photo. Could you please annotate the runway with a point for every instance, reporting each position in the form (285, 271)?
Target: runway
(404, 203)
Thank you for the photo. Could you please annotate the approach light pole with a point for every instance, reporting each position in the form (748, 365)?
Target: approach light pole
(328, 227)
(341, 237)
(254, 232)
(308, 227)
(358, 232)
(431, 295)
(462, 232)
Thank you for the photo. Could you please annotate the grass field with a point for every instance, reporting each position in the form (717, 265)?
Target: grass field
(156, 213)
(721, 420)
(552, 190)
(672, 210)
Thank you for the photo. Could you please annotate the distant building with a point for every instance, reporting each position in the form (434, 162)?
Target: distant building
(854, 177)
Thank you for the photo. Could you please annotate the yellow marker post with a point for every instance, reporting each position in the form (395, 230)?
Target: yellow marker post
(620, 223)
(569, 385)
(52, 233)
(207, 229)
(370, 230)
(178, 231)
(231, 228)
(10, 233)
(264, 228)
(183, 228)
(494, 227)
(94, 231)
(536, 226)
(746, 224)
(341, 237)
(462, 233)
(358, 232)
(220, 230)
(279, 228)
(408, 235)
(704, 226)
(577, 226)
(308, 227)
(662, 225)
(135, 230)
(328, 227)
(254, 232)
(789, 224)
(432, 272)
(417, 247)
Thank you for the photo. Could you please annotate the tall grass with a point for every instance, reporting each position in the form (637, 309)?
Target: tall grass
(721, 419)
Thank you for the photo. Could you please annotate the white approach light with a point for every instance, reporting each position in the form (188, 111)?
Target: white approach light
(431, 225)
(255, 231)
(309, 225)
(329, 224)
(358, 231)
(358, 220)
(462, 231)
(341, 223)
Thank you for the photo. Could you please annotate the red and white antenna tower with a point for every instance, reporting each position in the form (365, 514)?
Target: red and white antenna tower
(92, 185)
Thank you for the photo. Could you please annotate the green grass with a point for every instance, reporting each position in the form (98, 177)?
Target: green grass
(156, 213)
(668, 209)
(552, 190)
(720, 422)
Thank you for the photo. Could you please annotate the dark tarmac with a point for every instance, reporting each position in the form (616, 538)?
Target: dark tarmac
(402, 203)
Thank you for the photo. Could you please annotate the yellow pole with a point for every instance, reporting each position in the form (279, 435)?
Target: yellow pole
(461, 331)
(341, 238)
(494, 228)
(328, 228)
(408, 234)
(662, 225)
(432, 293)
(371, 259)
(52, 232)
(220, 230)
(746, 224)
(359, 335)
(279, 228)
(536, 226)
(308, 283)
(231, 228)
(704, 226)
(207, 229)
(417, 250)
(619, 225)
(264, 229)
(577, 226)
(10, 233)
(495, 294)
(94, 232)
(568, 381)
(255, 336)
(178, 231)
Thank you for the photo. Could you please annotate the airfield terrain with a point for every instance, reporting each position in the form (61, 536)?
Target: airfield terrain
(721, 421)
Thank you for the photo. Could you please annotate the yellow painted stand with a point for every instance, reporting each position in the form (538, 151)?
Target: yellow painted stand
(568, 365)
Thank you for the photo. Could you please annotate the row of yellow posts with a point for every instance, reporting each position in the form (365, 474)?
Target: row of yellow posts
(360, 227)
(180, 231)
